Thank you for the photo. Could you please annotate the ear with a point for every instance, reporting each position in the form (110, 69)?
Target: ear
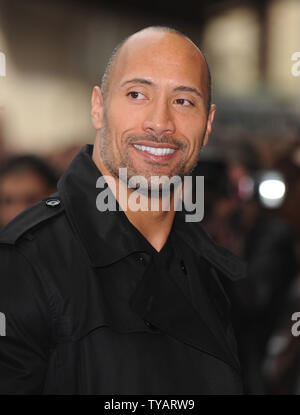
(210, 120)
(97, 108)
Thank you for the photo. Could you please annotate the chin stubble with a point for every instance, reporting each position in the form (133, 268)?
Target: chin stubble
(113, 166)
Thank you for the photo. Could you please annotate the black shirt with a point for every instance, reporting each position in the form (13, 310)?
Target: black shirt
(92, 308)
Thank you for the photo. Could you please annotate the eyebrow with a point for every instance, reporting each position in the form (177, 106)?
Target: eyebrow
(182, 88)
(137, 81)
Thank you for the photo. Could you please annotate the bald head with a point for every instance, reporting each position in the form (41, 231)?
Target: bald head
(159, 37)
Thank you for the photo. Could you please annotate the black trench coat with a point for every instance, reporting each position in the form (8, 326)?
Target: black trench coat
(88, 309)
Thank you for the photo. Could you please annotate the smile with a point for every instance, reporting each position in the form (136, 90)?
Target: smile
(156, 151)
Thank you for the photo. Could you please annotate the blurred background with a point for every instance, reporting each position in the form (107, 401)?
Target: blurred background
(51, 55)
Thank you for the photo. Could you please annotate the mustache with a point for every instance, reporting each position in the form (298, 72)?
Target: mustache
(166, 139)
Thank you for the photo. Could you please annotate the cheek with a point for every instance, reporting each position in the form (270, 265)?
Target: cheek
(192, 125)
(194, 131)
(123, 122)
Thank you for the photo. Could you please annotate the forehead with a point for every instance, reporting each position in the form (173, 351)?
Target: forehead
(162, 57)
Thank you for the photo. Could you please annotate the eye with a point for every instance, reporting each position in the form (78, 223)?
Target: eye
(136, 95)
(184, 102)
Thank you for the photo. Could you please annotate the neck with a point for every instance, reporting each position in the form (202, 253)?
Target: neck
(154, 225)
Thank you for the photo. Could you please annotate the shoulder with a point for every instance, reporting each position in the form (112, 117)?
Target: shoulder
(32, 218)
(23, 243)
(224, 260)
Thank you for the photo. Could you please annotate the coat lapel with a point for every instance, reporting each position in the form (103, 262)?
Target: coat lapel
(205, 291)
(159, 300)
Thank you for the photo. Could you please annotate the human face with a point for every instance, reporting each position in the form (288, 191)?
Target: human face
(154, 118)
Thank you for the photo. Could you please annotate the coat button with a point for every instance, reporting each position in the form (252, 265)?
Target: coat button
(52, 202)
(150, 326)
(183, 267)
(141, 260)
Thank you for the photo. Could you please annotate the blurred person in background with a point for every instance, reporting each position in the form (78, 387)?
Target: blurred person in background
(282, 358)
(24, 180)
(281, 366)
(219, 200)
(289, 165)
(236, 219)
(267, 245)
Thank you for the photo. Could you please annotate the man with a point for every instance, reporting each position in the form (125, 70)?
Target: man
(24, 180)
(123, 301)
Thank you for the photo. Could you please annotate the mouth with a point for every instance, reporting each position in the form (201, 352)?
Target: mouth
(156, 152)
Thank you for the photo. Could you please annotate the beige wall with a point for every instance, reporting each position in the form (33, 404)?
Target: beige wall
(55, 54)
(231, 45)
(284, 29)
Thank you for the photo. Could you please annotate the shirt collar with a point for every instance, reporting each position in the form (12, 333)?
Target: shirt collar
(109, 236)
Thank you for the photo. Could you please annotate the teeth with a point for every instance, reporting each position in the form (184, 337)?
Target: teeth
(155, 151)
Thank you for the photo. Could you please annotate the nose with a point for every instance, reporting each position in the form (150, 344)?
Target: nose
(158, 120)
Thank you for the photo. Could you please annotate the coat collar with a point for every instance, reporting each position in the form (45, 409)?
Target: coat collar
(109, 236)
(160, 301)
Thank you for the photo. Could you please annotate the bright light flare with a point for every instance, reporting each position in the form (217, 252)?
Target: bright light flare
(272, 190)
